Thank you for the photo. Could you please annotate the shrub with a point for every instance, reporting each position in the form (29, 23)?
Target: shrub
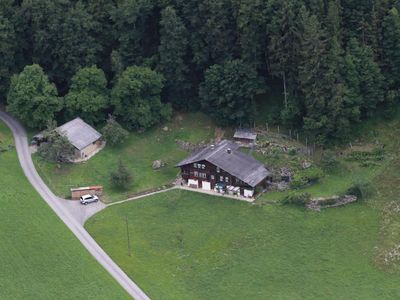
(113, 132)
(307, 176)
(297, 199)
(375, 155)
(361, 189)
(57, 147)
(329, 161)
(292, 151)
(121, 177)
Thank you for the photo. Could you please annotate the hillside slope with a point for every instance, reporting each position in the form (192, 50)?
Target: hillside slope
(39, 257)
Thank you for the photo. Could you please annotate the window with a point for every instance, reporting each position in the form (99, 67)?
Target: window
(196, 174)
(218, 170)
(203, 166)
(237, 180)
(227, 179)
(203, 175)
(221, 178)
(195, 165)
(212, 177)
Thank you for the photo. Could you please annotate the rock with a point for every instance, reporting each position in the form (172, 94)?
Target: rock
(306, 164)
(317, 204)
(157, 164)
(165, 128)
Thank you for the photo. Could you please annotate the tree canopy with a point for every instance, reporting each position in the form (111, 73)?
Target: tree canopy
(334, 62)
(136, 98)
(33, 98)
(228, 91)
(88, 95)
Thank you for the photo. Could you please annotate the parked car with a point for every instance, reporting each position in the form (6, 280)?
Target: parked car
(86, 199)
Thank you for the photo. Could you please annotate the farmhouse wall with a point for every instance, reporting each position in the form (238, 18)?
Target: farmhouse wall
(90, 149)
(211, 174)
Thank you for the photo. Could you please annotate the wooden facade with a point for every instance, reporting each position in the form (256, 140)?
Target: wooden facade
(207, 173)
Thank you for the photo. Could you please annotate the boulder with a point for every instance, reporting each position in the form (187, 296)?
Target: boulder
(157, 164)
(165, 128)
(306, 164)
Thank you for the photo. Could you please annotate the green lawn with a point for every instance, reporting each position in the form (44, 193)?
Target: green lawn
(39, 257)
(192, 246)
(138, 153)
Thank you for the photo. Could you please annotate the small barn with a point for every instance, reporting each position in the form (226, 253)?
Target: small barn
(86, 140)
(245, 137)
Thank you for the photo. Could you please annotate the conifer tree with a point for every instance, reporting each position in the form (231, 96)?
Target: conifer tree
(391, 47)
(173, 51)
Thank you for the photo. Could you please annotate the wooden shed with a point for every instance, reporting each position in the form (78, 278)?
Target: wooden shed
(76, 193)
(245, 137)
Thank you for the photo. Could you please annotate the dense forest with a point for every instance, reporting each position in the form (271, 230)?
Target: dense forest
(334, 61)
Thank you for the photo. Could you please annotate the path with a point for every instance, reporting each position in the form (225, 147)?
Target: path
(66, 210)
(142, 196)
(181, 187)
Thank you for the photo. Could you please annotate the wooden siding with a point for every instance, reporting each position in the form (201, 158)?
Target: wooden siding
(212, 174)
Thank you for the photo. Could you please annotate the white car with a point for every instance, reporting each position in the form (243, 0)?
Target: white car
(86, 199)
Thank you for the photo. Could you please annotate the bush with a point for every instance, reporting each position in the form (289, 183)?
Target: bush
(329, 162)
(292, 151)
(375, 155)
(57, 147)
(121, 177)
(297, 199)
(307, 176)
(113, 132)
(361, 189)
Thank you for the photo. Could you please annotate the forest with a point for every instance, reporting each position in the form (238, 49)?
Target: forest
(335, 62)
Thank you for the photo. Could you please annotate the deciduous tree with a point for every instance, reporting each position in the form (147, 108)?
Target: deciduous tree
(88, 96)
(136, 98)
(32, 98)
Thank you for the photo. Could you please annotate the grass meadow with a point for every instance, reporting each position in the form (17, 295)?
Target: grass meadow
(186, 245)
(137, 153)
(39, 257)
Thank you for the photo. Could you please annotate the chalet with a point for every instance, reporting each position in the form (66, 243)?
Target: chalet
(245, 137)
(223, 167)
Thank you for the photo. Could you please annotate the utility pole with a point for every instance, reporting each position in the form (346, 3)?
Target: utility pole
(127, 235)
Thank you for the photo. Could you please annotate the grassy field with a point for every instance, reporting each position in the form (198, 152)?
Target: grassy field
(199, 247)
(138, 153)
(192, 246)
(39, 257)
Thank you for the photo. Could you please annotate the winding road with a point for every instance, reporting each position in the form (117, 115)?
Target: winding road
(66, 211)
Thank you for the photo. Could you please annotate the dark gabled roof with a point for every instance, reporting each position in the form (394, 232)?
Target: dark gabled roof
(245, 134)
(79, 133)
(236, 163)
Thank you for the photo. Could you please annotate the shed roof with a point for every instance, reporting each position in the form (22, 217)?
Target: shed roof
(245, 134)
(79, 133)
(236, 163)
